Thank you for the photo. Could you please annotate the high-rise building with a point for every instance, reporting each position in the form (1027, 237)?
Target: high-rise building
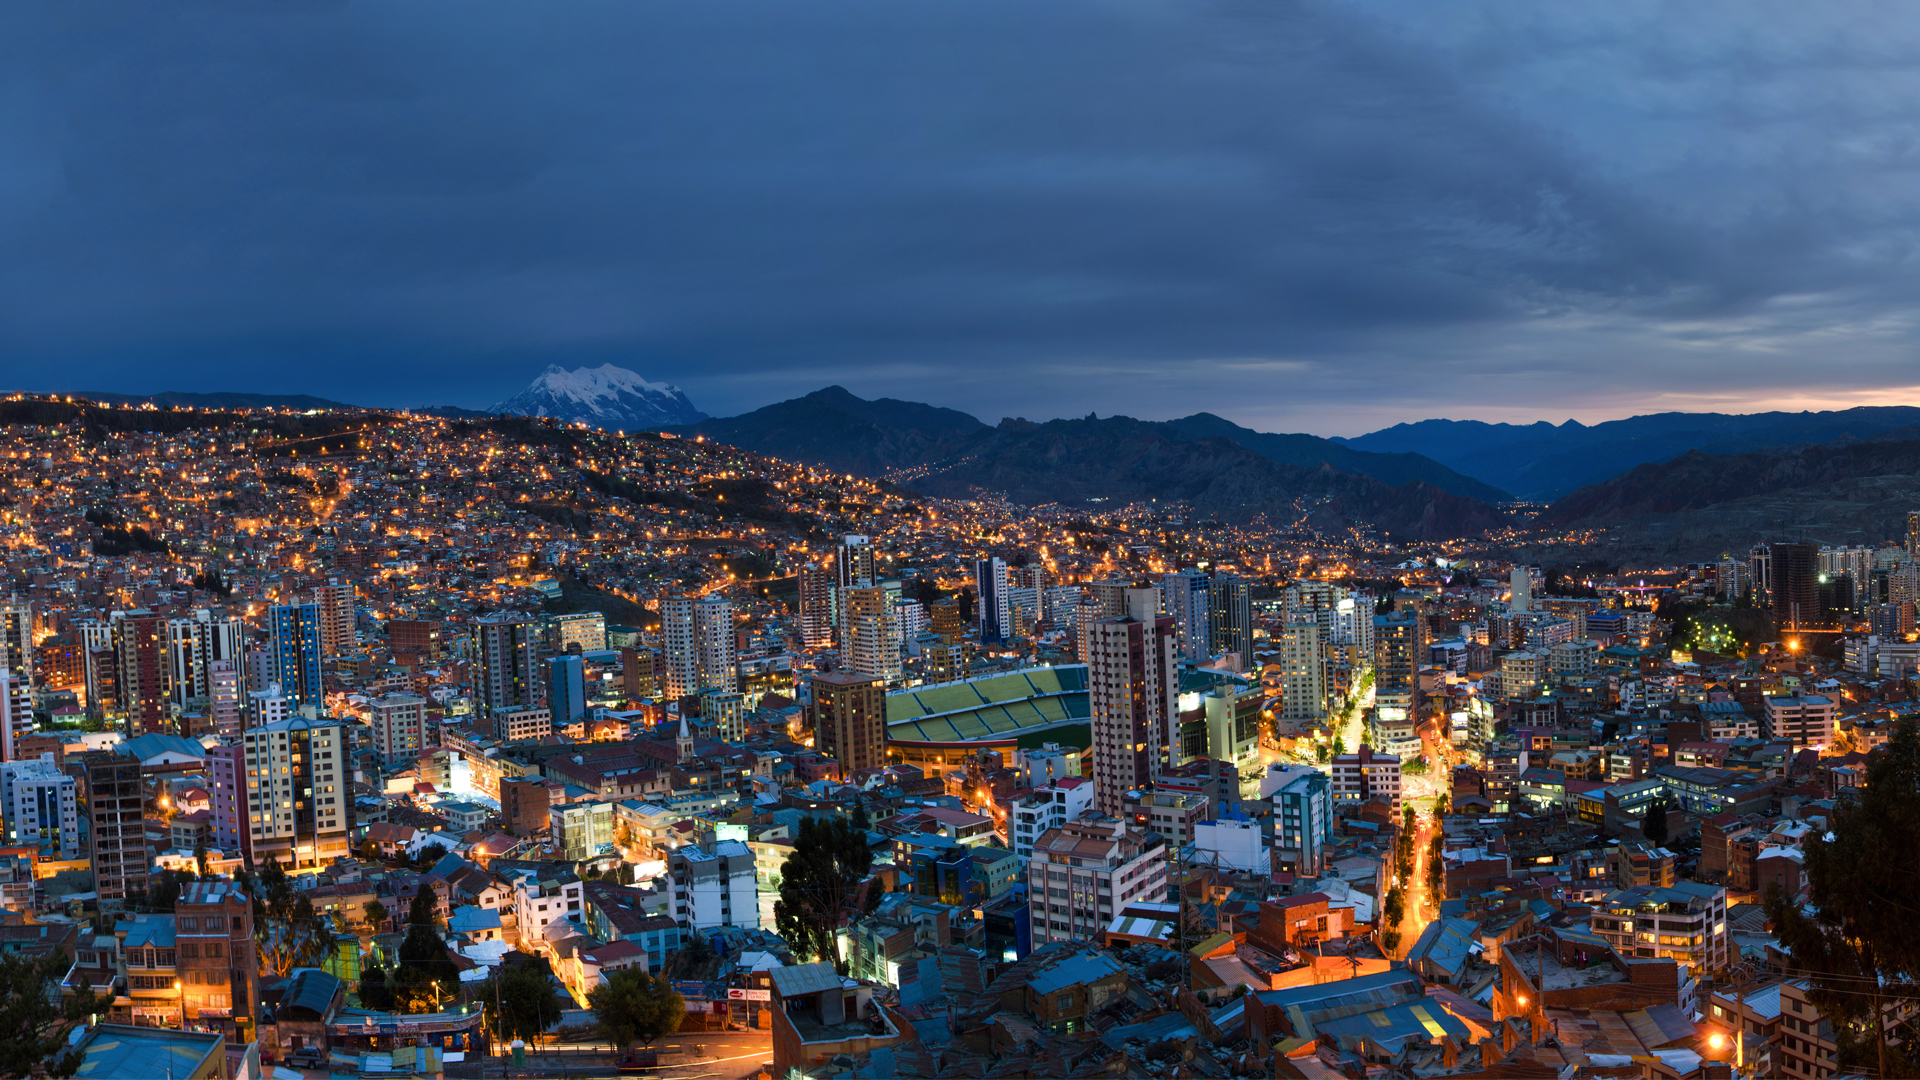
(990, 600)
(1398, 645)
(335, 611)
(16, 711)
(414, 642)
(1521, 589)
(297, 806)
(567, 688)
(816, 606)
(1796, 587)
(849, 714)
(227, 777)
(139, 640)
(1364, 775)
(16, 638)
(294, 630)
(1913, 533)
(1230, 606)
(869, 638)
(640, 673)
(41, 807)
(269, 706)
(680, 646)
(1302, 817)
(581, 631)
(1303, 673)
(223, 697)
(1187, 597)
(1109, 597)
(853, 562)
(506, 662)
(526, 804)
(400, 728)
(716, 664)
(194, 644)
(1760, 574)
(117, 828)
(1133, 680)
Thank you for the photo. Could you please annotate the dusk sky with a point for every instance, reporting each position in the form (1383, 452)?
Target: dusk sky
(1323, 217)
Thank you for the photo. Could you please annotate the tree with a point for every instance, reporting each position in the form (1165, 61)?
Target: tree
(34, 1022)
(376, 989)
(426, 974)
(1441, 805)
(1653, 824)
(520, 1000)
(1395, 907)
(635, 1007)
(1854, 934)
(377, 915)
(818, 886)
(1390, 940)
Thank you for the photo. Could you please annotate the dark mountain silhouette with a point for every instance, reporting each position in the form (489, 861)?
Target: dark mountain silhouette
(1308, 451)
(1545, 461)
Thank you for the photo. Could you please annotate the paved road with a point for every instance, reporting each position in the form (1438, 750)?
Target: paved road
(716, 1055)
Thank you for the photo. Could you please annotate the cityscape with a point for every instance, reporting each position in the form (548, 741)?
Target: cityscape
(365, 741)
(1355, 540)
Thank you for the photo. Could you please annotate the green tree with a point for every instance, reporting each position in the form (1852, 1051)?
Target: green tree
(1395, 907)
(1854, 934)
(1653, 823)
(635, 1007)
(819, 886)
(426, 974)
(376, 988)
(34, 1021)
(520, 1000)
(1390, 940)
(1441, 804)
(377, 915)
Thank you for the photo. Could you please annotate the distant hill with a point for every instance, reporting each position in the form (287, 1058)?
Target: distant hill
(1545, 461)
(1221, 469)
(451, 412)
(833, 428)
(1308, 451)
(607, 397)
(220, 400)
(1697, 481)
(1122, 460)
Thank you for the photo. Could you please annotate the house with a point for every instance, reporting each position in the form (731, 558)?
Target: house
(819, 1015)
(1067, 994)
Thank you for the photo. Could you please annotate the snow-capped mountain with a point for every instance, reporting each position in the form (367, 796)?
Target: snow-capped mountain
(606, 397)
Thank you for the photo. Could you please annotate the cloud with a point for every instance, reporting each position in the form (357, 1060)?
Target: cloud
(1377, 211)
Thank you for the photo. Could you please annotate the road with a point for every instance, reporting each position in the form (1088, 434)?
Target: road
(714, 1055)
(1420, 909)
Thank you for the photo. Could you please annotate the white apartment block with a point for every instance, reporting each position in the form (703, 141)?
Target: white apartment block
(399, 724)
(1366, 775)
(1083, 874)
(1806, 720)
(297, 775)
(1303, 671)
(1048, 807)
(41, 806)
(714, 888)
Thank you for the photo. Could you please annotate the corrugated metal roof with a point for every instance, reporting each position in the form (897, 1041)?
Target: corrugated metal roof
(805, 979)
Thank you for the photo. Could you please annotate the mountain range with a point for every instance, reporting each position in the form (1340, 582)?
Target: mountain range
(607, 397)
(1218, 467)
(218, 400)
(1544, 461)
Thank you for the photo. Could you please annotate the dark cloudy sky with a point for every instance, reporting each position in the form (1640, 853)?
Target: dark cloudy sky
(1304, 216)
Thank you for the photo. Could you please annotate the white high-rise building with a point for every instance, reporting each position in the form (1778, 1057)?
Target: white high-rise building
(1365, 775)
(297, 777)
(868, 642)
(194, 644)
(1303, 672)
(1522, 588)
(1187, 597)
(269, 706)
(41, 806)
(16, 710)
(1083, 874)
(399, 723)
(224, 700)
(1133, 681)
(714, 659)
(679, 647)
(1046, 808)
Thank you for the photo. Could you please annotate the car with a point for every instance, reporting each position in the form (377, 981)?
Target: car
(637, 1061)
(307, 1058)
